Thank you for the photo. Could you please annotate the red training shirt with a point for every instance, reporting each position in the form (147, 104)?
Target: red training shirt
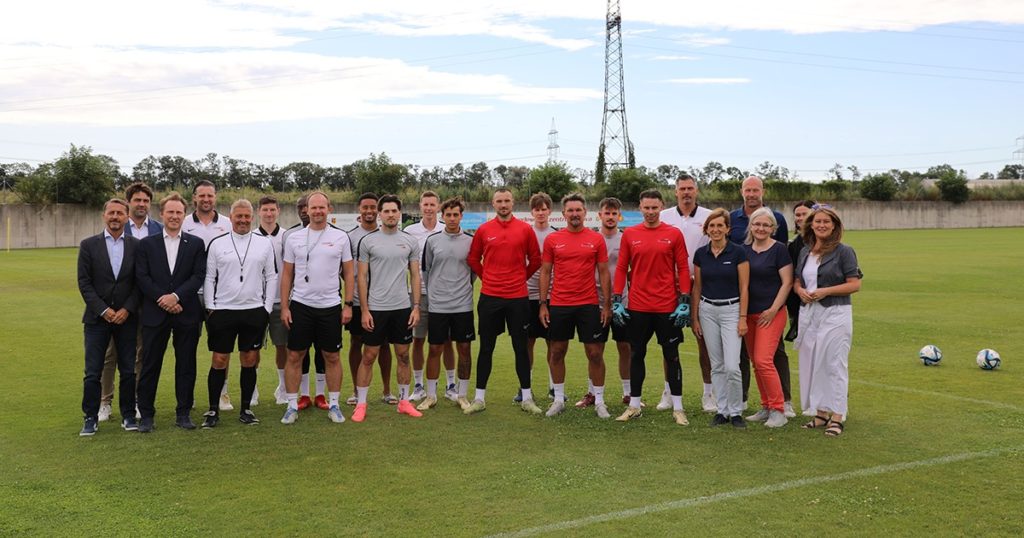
(504, 255)
(574, 258)
(656, 261)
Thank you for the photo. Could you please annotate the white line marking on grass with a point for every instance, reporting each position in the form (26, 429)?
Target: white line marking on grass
(940, 394)
(751, 492)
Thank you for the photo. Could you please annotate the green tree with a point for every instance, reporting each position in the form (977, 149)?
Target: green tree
(38, 187)
(626, 184)
(553, 178)
(1011, 171)
(879, 187)
(83, 178)
(378, 174)
(599, 168)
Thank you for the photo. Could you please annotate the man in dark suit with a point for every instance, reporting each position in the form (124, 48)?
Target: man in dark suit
(139, 226)
(169, 271)
(106, 280)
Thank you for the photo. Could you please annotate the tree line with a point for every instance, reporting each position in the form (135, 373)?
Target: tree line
(80, 176)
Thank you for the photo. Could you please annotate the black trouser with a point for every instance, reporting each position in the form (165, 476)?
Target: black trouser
(154, 344)
(781, 361)
(97, 336)
(643, 325)
(499, 313)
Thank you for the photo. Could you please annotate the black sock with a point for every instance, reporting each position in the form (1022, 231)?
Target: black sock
(248, 383)
(215, 384)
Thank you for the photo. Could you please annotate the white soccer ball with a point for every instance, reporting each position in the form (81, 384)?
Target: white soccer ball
(988, 359)
(930, 355)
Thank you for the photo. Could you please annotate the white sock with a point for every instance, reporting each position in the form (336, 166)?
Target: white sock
(626, 387)
(480, 395)
(418, 376)
(280, 378)
(559, 392)
(551, 380)
(677, 403)
(667, 389)
(293, 400)
(463, 387)
(451, 377)
(321, 382)
(599, 395)
(707, 389)
(332, 398)
(224, 389)
(361, 394)
(304, 385)
(527, 394)
(403, 392)
(634, 401)
(432, 388)
(590, 386)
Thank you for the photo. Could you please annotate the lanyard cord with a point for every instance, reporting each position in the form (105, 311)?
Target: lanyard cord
(241, 258)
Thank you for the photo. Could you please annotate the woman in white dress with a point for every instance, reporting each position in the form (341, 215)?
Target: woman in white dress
(826, 275)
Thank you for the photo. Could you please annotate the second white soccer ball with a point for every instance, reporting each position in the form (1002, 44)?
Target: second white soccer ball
(988, 359)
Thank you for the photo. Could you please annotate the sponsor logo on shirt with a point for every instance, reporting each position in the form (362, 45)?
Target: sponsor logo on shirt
(492, 238)
(587, 245)
(665, 240)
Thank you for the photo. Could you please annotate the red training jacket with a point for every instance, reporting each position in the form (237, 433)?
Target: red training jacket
(655, 260)
(504, 255)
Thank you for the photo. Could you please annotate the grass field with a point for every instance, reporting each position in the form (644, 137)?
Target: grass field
(927, 451)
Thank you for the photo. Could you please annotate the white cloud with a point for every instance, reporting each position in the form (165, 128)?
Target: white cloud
(104, 87)
(710, 80)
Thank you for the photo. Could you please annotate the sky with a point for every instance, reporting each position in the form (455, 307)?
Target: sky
(802, 84)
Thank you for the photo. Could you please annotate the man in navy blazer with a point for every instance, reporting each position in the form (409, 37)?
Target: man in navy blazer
(140, 226)
(106, 280)
(169, 271)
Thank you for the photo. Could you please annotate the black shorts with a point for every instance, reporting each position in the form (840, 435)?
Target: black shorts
(389, 326)
(321, 326)
(457, 327)
(537, 329)
(584, 320)
(619, 334)
(495, 313)
(644, 324)
(355, 325)
(247, 326)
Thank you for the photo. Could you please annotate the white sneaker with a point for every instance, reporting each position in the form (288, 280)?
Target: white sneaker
(418, 393)
(290, 415)
(255, 397)
(707, 402)
(105, 411)
(555, 409)
(225, 402)
(787, 410)
(352, 400)
(760, 416)
(452, 393)
(666, 402)
(427, 403)
(463, 403)
(602, 410)
(279, 395)
(776, 419)
(334, 413)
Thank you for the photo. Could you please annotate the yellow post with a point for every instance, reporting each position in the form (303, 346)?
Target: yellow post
(8, 240)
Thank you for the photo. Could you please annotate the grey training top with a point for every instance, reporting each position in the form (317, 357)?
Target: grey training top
(612, 244)
(354, 235)
(449, 278)
(533, 283)
(388, 256)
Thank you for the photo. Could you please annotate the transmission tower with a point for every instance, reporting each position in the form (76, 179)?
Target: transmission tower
(552, 143)
(1019, 153)
(616, 151)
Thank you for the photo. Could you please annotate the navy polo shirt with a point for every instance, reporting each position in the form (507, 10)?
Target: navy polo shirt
(764, 275)
(719, 277)
(738, 222)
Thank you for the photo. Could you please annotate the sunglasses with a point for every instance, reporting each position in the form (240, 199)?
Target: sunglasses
(816, 207)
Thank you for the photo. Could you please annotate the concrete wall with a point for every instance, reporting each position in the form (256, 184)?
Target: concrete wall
(65, 225)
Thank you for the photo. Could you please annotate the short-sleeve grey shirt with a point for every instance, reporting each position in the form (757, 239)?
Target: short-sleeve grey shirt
(354, 236)
(533, 283)
(449, 278)
(388, 256)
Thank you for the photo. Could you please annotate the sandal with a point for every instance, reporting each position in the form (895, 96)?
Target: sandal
(834, 429)
(817, 422)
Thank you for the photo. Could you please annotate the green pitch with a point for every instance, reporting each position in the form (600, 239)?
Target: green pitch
(927, 451)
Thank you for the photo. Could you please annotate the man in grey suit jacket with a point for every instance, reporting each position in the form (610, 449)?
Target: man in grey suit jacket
(170, 269)
(106, 280)
(139, 226)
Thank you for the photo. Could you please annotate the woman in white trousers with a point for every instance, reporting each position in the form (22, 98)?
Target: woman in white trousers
(827, 274)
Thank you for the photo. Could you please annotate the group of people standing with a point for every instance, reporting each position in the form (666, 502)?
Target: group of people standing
(727, 276)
